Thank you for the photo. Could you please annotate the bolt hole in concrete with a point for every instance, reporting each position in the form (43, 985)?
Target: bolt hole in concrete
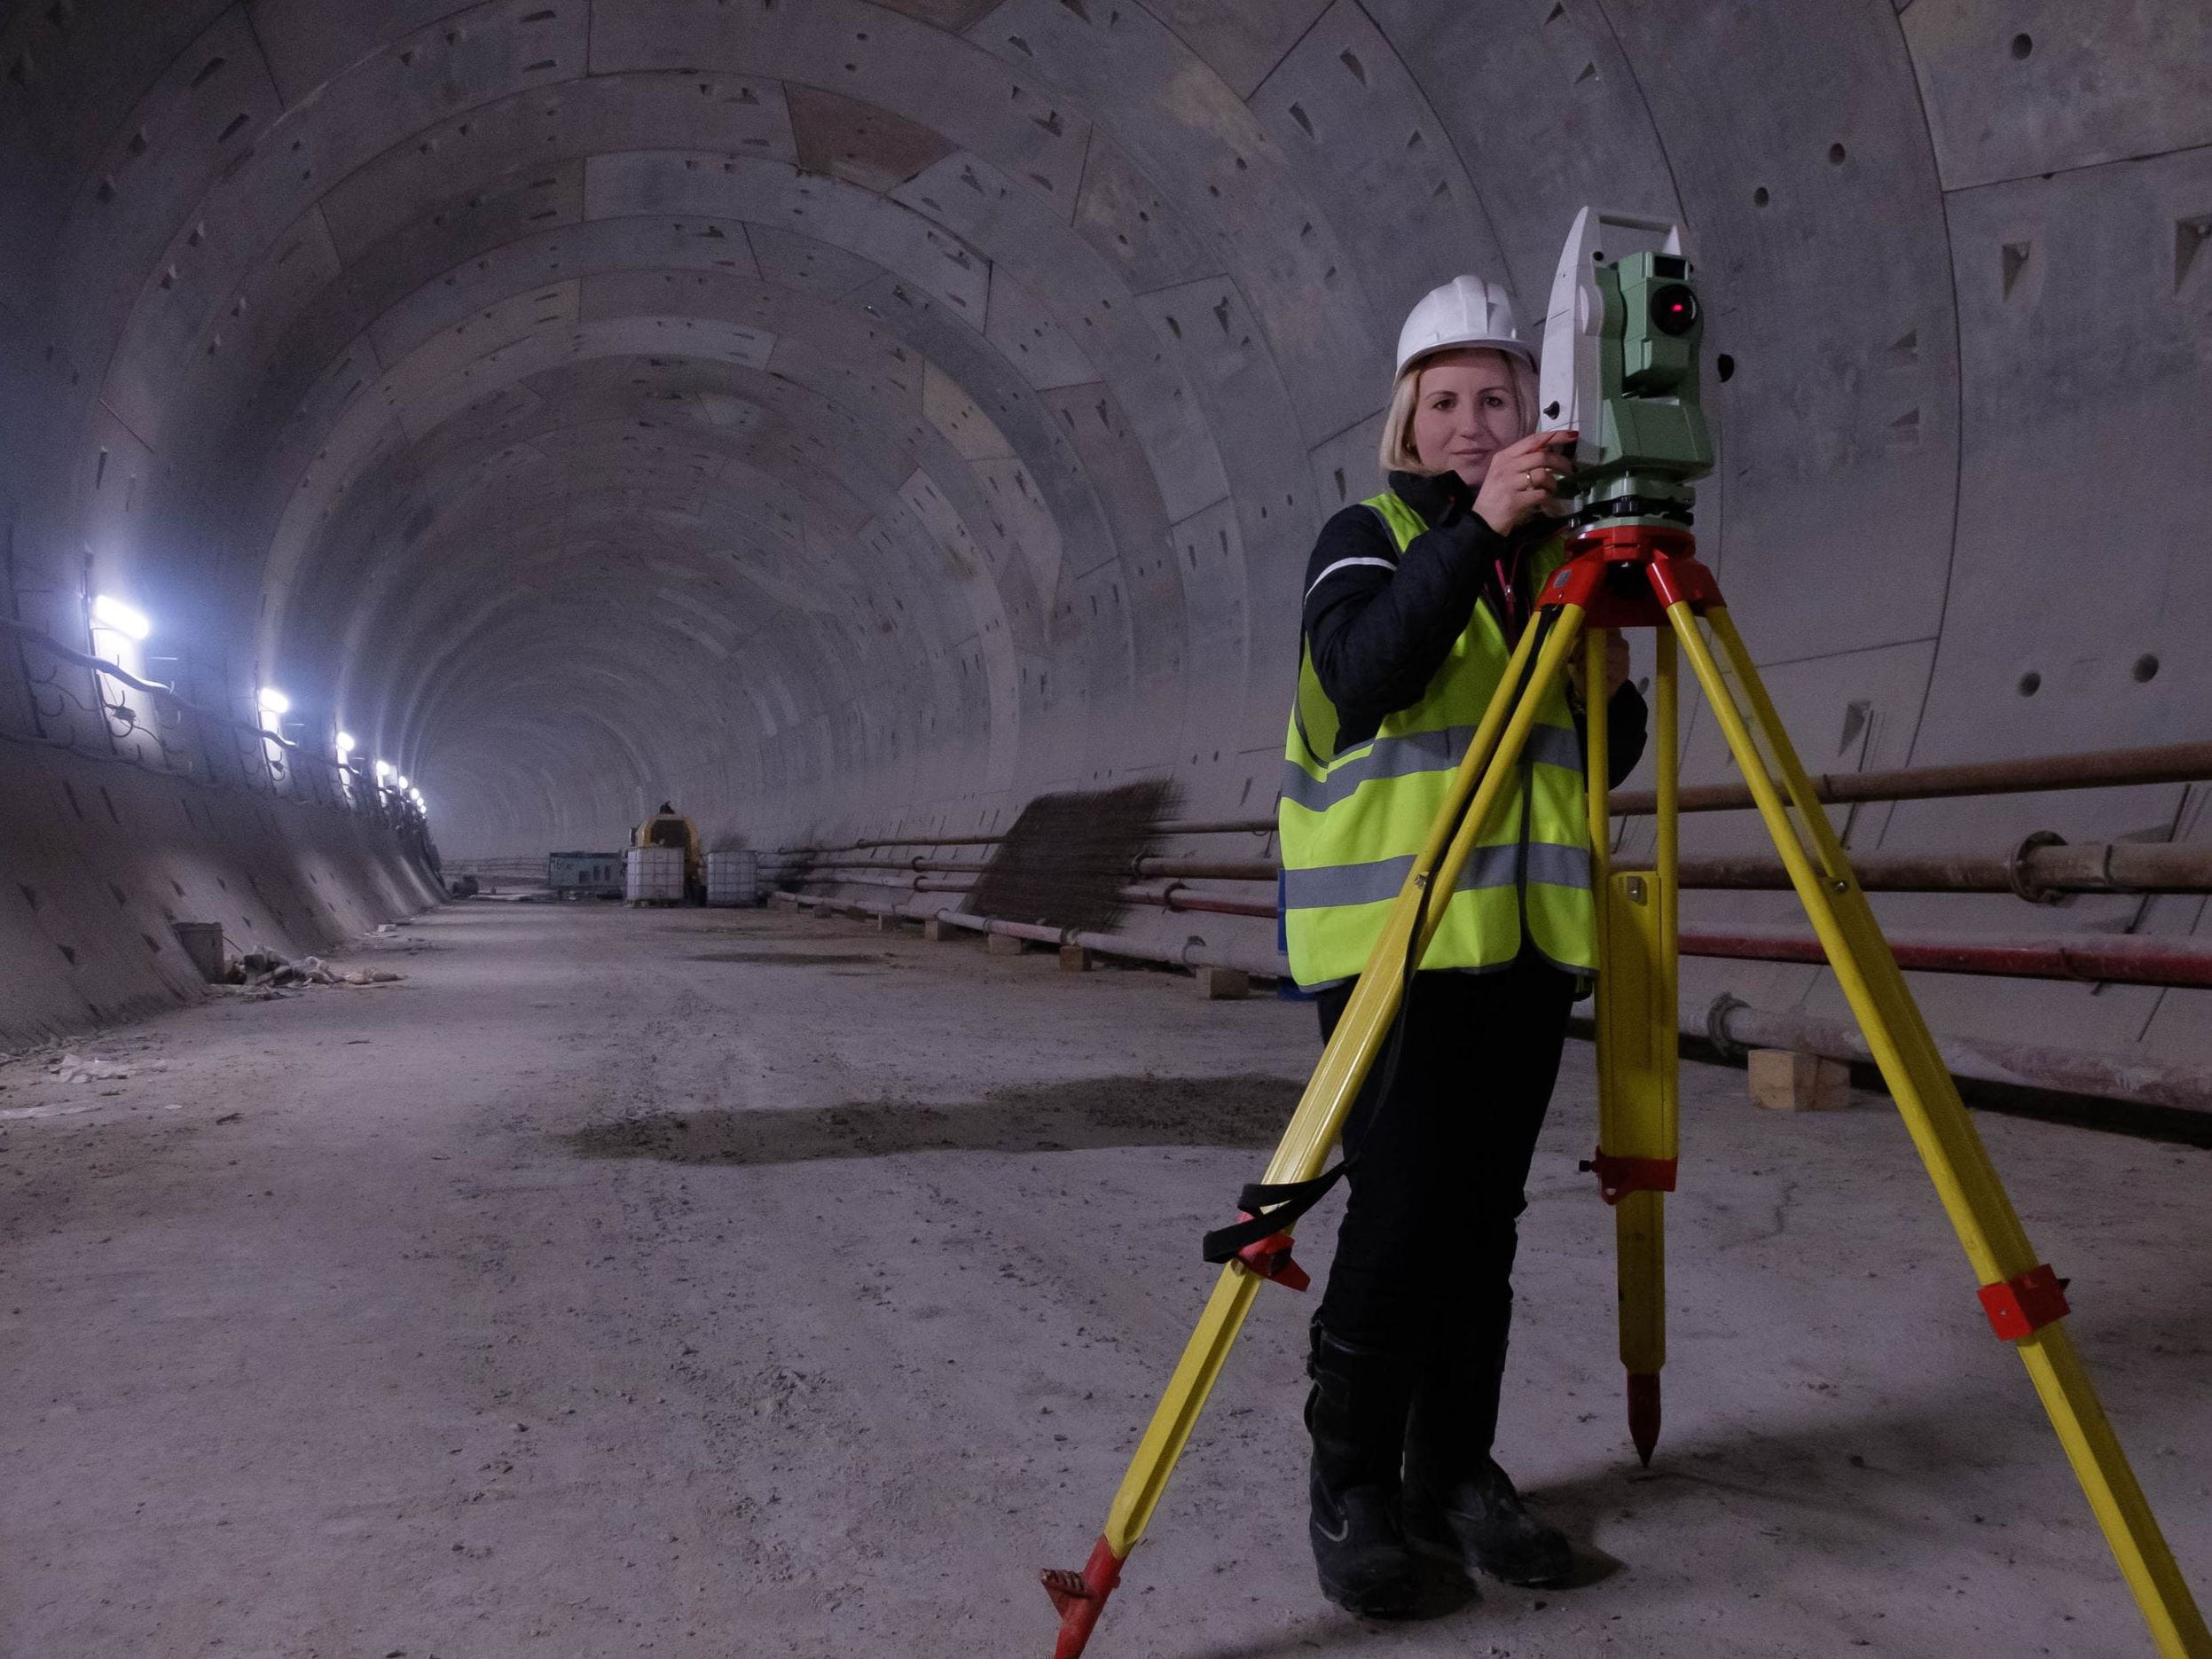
(1760, 197)
(1243, 1110)
(2022, 44)
(2146, 667)
(1836, 155)
(2030, 684)
(1724, 366)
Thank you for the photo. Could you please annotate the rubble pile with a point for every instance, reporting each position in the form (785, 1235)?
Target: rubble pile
(265, 971)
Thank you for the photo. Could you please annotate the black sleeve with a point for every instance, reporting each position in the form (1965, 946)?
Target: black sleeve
(1380, 628)
(1627, 730)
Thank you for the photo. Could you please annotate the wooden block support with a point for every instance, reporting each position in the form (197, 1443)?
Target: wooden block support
(1002, 944)
(937, 932)
(1074, 960)
(1223, 984)
(1784, 1081)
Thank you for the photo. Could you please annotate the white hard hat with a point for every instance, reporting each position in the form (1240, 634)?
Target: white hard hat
(1466, 312)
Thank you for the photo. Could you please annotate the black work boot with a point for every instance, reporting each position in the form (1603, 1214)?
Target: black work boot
(1356, 1413)
(1459, 1504)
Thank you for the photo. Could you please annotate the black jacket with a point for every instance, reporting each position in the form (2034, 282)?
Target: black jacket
(1379, 625)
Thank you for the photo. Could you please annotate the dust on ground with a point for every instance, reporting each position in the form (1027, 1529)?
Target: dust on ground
(577, 1297)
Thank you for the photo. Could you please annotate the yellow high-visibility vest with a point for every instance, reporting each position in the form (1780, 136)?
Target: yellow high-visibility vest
(1352, 822)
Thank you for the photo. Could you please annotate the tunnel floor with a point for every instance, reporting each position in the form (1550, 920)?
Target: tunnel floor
(708, 1283)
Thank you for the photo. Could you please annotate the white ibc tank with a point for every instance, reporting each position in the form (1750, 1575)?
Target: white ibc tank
(653, 875)
(733, 878)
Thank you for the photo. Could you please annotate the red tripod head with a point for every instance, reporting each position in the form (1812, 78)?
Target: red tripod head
(1625, 575)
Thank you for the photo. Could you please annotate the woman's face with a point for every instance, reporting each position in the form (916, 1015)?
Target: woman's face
(1464, 412)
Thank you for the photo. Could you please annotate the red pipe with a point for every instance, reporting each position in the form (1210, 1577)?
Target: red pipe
(1176, 899)
(1173, 895)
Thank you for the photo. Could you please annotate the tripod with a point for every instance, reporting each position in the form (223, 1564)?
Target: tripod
(1643, 573)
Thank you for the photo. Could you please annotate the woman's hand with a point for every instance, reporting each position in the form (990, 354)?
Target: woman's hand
(1616, 667)
(1521, 479)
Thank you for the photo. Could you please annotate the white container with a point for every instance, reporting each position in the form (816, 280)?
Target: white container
(734, 878)
(653, 875)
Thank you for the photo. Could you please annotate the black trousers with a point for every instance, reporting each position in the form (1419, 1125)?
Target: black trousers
(1439, 1169)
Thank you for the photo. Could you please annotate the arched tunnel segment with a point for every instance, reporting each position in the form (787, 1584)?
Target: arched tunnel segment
(433, 434)
(857, 420)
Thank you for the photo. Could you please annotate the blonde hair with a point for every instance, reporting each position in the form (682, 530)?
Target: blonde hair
(1397, 453)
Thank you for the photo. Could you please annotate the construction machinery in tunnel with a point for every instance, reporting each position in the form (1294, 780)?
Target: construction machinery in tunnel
(669, 831)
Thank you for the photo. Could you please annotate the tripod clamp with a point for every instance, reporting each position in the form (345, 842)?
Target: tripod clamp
(1626, 572)
(1259, 1238)
(1618, 1176)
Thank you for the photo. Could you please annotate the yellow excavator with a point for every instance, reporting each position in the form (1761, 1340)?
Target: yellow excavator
(668, 827)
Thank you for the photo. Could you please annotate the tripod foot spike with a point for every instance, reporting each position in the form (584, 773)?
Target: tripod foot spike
(1080, 1597)
(1644, 1412)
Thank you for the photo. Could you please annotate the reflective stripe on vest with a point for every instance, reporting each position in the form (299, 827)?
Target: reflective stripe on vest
(1352, 823)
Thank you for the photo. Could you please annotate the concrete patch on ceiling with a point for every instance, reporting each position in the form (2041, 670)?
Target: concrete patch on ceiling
(954, 413)
(858, 142)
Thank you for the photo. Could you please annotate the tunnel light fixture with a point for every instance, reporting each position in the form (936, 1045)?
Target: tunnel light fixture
(402, 780)
(274, 702)
(345, 744)
(127, 620)
(383, 771)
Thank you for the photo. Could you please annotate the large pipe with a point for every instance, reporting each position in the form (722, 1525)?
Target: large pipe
(1035, 932)
(1166, 826)
(2040, 868)
(2095, 768)
(907, 884)
(2092, 958)
(1268, 966)
(1145, 864)
(2096, 958)
(1172, 896)
(1175, 896)
(2092, 768)
(1732, 1023)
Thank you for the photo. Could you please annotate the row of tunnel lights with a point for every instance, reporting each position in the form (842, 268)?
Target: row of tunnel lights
(133, 624)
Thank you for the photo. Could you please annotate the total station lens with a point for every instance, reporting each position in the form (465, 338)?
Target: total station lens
(1674, 309)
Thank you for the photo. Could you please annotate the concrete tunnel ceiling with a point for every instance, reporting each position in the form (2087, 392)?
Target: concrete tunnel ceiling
(841, 417)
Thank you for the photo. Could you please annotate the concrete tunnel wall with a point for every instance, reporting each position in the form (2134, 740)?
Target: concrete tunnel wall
(851, 417)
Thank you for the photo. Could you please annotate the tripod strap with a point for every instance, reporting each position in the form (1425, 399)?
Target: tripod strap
(1268, 1208)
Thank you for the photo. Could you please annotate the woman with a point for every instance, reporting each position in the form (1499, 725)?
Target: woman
(1413, 601)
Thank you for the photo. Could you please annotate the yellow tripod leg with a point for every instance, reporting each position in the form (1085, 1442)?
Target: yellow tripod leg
(1636, 1077)
(1484, 773)
(2019, 1293)
(1638, 1061)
